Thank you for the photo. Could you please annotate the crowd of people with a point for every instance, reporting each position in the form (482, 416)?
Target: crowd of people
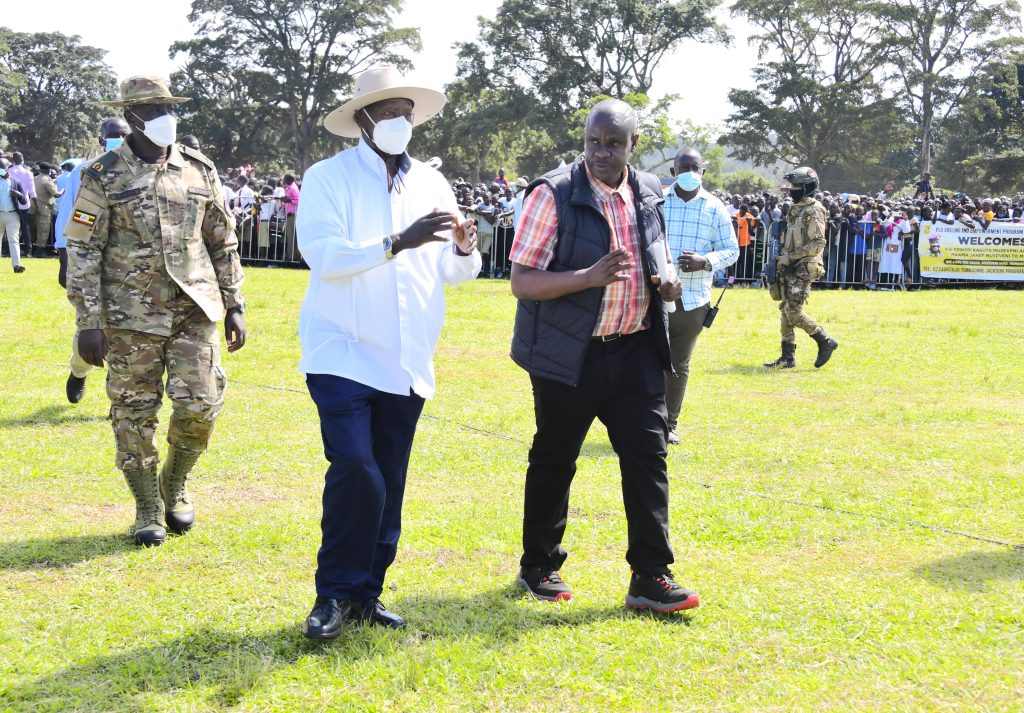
(264, 208)
(31, 194)
(870, 241)
(495, 208)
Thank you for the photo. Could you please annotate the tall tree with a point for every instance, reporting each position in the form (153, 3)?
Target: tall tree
(55, 85)
(551, 56)
(981, 147)
(817, 98)
(229, 110)
(567, 51)
(476, 133)
(938, 47)
(298, 56)
(10, 80)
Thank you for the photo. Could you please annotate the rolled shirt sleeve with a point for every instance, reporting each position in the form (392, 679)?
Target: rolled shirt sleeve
(725, 249)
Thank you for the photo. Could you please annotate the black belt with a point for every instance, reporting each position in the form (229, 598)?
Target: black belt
(617, 335)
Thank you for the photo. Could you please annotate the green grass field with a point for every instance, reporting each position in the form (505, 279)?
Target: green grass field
(797, 500)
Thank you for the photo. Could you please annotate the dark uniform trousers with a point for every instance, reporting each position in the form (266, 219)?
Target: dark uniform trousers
(623, 385)
(367, 437)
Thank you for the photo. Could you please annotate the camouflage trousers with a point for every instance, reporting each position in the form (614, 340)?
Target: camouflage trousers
(795, 292)
(136, 365)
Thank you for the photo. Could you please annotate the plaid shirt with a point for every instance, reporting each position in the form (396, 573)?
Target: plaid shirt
(701, 225)
(624, 304)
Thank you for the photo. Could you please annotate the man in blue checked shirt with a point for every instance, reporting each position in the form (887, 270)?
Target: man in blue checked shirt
(702, 240)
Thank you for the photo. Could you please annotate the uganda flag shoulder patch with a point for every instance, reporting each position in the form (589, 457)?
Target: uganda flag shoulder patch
(86, 219)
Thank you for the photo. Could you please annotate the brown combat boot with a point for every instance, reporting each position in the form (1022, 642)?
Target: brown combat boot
(150, 528)
(788, 358)
(826, 345)
(174, 489)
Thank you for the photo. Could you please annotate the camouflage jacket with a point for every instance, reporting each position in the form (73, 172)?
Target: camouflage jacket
(143, 235)
(805, 233)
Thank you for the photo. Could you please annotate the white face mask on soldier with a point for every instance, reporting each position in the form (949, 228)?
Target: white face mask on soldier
(162, 130)
(391, 135)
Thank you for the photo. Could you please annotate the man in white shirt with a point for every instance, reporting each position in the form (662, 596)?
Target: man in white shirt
(245, 199)
(701, 240)
(229, 193)
(382, 235)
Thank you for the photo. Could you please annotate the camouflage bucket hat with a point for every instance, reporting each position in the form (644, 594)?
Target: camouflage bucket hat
(146, 89)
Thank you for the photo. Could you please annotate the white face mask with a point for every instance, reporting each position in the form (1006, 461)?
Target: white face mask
(162, 130)
(391, 135)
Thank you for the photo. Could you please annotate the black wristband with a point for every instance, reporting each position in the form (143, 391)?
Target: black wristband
(458, 251)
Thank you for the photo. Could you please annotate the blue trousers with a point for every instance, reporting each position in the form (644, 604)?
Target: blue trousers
(367, 438)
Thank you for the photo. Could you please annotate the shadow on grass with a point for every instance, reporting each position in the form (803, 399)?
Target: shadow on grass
(968, 570)
(52, 415)
(223, 667)
(60, 552)
(742, 369)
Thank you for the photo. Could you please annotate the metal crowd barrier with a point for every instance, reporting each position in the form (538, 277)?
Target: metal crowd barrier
(272, 242)
(848, 269)
(267, 242)
(496, 263)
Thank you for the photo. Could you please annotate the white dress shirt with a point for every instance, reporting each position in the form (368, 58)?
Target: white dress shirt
(366, 318)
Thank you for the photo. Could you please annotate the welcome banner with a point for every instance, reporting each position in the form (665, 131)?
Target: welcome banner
(962, 253)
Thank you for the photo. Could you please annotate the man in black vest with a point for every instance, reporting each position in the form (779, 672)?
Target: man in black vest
(592, 332)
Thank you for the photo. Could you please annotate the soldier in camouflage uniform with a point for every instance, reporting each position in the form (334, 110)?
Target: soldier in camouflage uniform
(799, 265)
(152, 266)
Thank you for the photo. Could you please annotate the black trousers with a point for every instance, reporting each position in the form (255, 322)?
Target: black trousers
(623, 385)
(26, 231)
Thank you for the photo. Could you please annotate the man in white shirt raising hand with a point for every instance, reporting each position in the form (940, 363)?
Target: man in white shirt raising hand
(382, 235)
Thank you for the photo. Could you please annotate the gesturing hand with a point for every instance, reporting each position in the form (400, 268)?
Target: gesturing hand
(465, 236)
(424, 230)
(609, 269)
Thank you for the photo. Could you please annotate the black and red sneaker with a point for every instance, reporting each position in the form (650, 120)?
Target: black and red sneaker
(659, 592)
(544, 583)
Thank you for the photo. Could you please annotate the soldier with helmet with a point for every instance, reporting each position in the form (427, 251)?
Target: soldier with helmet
(152, 267)
(799, 264)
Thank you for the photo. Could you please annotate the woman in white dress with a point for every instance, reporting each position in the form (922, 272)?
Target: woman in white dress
(890, 266)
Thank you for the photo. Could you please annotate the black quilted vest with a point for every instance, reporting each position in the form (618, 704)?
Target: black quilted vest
(551, 337)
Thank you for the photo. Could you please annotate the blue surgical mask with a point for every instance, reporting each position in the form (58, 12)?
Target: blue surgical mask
(113, 142)
(689, 181)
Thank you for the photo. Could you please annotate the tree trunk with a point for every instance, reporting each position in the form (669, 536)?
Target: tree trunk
(926, 131)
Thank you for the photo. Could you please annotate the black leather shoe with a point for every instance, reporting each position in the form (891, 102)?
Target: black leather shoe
(324, 622)
(374, 612)
(75, 388)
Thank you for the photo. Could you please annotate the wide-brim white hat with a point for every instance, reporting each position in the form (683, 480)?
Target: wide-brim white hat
(375, 85)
